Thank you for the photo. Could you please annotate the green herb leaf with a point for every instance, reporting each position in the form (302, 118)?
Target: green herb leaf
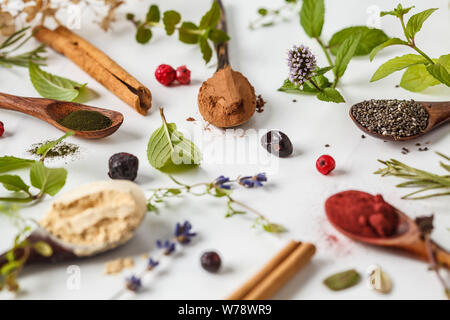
(396, 64)
(153, 14)
(330, 95)
(171, 19)
(398, 12)
(206, 49)
(45, 148)
(13, 183)
(143, 34)
(8, 163)
(218, 36)
(53, 87)
(43, 248)
(273, 228)
(342, 280)
(167, 146)
(312, 17)
(345, 53)
(416, 21)
(211, 18)
(262, 12)
(416, 78)
(370, 38)
(390, 42)
(321, 71)
(439, 72)
(187, 34)
(48, 180)
(290, 87)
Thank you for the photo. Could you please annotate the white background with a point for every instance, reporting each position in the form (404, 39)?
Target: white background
(295, 193)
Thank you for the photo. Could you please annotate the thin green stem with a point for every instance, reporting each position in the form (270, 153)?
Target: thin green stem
(412, 45)
(315, 85)
(327, 55)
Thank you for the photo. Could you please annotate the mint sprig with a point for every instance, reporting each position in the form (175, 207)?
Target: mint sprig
(188, 32)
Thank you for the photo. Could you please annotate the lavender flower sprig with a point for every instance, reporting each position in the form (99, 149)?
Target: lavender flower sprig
(220, 187)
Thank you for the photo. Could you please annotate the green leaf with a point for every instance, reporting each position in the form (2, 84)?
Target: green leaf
(398, 12)
(396, 64)
(51, 86)
(439, 72)
(416, 78)
(170, 19)
(370, 38)
(43, 248)
(205, 49)
(12, 163)
(13, 183)
(416, 21)
(47, 180)
(45, 148)
(321, 71)
(345, 53)
(330, 95)
(273, 228)
(342, 280)
(211, 18)
(167, 146)
(153, 14)
(262, 12)
(290, 87)
(218, 36)
(390, 42)
(312, 17)
(143, 34)
(187, 33)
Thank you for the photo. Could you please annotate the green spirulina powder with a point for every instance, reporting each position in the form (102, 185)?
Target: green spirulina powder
(85, 120)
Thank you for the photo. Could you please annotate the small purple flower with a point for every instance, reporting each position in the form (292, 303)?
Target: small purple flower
(183, 232)
(151, 264)
(302, 64)
(221, 181)
(133, 283)
(253, 181)
(167, 246)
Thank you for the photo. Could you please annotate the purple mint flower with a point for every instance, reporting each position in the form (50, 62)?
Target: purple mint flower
(221, 181)
(183, 232)
(133, 283)
(151, 264)
(253, 181)
(167, 246)
(302, 64)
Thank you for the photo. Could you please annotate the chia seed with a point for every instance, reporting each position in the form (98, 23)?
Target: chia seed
(396, 118)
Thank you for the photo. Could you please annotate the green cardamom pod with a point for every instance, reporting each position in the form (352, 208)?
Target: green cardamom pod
(342, 280)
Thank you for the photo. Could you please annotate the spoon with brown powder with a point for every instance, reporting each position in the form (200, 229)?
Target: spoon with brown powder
(227, 99)
(95, 122)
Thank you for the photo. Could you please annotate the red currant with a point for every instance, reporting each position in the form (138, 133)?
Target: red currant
(183, 75)
(325, 164)
(165, 74)
(2, 128)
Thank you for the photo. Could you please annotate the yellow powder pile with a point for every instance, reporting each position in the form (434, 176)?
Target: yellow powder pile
(116, 266)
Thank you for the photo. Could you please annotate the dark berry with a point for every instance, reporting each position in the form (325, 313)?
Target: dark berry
(277, 143)
(183, 75)
(2, 129)
(165, 74)
(123, 166)
(211, 261)
(325, 164)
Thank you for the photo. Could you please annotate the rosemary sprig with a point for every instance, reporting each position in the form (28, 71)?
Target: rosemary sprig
(417, 178)
(14, 42)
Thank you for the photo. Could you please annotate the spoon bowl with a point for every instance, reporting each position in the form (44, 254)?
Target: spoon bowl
(438, 112)
(52, 111)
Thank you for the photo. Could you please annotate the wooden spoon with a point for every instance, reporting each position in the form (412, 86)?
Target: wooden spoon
(53, 110)
(439, 113)
(227, 99)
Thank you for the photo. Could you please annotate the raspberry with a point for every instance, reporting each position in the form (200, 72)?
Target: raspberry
(325, 164)
(183, 75)
(165, 74)
(123, 166)
(2, 128)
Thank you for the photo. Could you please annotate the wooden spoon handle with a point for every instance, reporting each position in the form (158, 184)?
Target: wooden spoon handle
(442, 257)
(223, 59)
(32, 106)
(439, 111)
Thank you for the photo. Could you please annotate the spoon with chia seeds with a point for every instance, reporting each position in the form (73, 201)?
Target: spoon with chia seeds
(399, 120)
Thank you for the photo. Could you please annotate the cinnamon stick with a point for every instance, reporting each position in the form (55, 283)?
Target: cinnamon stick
(280, 269)
(98, 65)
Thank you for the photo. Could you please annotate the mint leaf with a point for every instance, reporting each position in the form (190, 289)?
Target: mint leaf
(153, 14)
(290, 87)
(13, 183)
(143, 34)
(398, 12)
(320, 71)
(416, 21)
(211, 18)
(416, 78)
(171, 19)
(187, 33)
(12, 163)
(206, 49)
(396, 64)
(439, 72)
(390, 42)
(47, 180)
(312, 17)
(330, 95)
(345, 54)
(342, 280)
(51, 86)
(45, 148)
(370, 38)
(218, 36)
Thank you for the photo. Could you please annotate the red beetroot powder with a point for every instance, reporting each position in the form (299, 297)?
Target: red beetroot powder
(362, 214)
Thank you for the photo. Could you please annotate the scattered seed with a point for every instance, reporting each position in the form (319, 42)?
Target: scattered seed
(190, 119)
(363, 136)
(260, 102)
(294, 100)
(327, 145)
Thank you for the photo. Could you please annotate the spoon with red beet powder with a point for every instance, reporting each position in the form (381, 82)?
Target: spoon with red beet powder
(367, 218)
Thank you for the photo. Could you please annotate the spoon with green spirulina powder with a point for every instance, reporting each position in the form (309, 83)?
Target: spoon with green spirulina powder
(87, 122)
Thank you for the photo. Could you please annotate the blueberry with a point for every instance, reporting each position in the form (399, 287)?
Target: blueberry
(123, 166)
(211, 261)
(277, 143)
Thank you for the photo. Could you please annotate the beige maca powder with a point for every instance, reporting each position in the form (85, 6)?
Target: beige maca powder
(102, 213)
(116, 266)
